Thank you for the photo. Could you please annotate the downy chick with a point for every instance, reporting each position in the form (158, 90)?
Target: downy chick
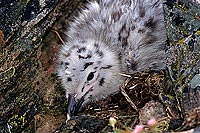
(107, 38)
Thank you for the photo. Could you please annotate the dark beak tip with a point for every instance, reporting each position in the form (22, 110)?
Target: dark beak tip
(73, 106)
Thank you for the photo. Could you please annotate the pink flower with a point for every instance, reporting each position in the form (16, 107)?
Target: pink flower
(138, 129)
(151, 122)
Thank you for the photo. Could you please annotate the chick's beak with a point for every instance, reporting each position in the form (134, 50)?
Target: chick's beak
(73, 106)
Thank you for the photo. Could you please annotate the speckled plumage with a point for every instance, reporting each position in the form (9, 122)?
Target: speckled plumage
(107, 38)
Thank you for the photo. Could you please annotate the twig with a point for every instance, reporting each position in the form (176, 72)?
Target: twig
(58, 36)
(9, 128)
(125, 75)
(122, 89)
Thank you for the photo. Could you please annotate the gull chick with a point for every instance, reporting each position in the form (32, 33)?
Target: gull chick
(107, 38)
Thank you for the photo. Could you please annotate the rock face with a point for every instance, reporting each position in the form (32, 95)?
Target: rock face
(26, 65)
(182, 24)
(183, 60)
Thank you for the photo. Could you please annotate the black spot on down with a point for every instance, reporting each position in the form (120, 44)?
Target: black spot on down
(102, 81)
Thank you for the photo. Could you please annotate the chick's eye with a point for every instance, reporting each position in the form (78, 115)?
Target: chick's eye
(90, 76)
